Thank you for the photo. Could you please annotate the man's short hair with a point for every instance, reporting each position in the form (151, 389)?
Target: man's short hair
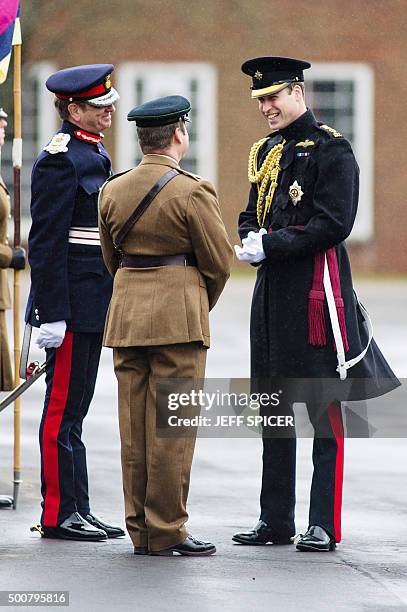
(291, 86)
(157, 138)
(62, 107)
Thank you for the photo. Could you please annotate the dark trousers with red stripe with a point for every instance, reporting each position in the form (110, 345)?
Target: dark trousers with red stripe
(71, 372)
(277, 499)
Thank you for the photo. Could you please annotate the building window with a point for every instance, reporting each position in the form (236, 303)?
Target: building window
(39, 123)
(142, 81)
(341, 95)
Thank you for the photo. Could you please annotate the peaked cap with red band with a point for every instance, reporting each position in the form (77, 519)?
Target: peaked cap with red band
(90, 84)
(272, 74)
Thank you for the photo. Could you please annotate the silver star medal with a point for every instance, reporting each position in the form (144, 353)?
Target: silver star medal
(295, 192)
(58, 143)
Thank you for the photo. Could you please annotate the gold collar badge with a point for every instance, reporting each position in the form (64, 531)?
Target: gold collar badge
(258, 75)
(295, 192)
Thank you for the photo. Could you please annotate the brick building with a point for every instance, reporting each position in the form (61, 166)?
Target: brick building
(356, 85)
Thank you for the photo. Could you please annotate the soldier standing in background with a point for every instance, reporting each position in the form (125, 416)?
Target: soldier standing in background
(10, 257)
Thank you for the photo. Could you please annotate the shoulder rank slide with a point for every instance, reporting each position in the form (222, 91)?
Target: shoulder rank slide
(196, 177)
(58, 143)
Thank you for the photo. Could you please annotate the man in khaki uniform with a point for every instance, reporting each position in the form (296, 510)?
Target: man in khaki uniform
(9, 258)
(176, 260)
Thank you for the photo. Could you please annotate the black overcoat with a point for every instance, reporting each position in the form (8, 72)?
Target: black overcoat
(328, 175)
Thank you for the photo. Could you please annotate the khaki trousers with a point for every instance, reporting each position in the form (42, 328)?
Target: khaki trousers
(156, 470)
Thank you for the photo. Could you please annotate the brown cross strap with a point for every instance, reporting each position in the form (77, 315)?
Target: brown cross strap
(142, 207)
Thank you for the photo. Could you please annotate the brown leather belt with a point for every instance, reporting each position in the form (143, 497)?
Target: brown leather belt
(154, 261)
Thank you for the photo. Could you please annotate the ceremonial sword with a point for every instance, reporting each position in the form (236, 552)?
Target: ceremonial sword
(29, 373)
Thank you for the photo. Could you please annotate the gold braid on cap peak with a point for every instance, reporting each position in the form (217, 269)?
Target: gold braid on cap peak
(265, 175)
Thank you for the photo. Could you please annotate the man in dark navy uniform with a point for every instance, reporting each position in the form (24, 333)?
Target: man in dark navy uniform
(70, 291)
(306, 322)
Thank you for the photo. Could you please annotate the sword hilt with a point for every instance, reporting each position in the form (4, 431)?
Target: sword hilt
(31, 369)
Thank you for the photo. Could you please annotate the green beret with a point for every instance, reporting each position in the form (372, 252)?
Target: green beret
(162, 111)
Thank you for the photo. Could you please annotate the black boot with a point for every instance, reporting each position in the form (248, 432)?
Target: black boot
(316, 539)
(260, 535)
(6, 501)
(111, 530)
(190, 547)
(73, 528)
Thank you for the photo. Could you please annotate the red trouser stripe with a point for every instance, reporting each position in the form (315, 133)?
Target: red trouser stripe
(55, 412)
(335, 418)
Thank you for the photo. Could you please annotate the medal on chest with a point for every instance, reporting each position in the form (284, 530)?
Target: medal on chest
(295, 192)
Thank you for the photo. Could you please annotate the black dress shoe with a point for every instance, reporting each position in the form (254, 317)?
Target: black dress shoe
(75, 528)
(316, 539)
(260, 535)
(111, 530)
(190, 547)
(140, 550)
(6, 501)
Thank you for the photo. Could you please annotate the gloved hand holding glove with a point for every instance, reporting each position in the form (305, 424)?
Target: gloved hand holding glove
(51, 334)
(252, 250)
(18, 258)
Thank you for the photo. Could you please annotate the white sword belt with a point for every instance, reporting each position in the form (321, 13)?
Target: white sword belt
(343, 365)
(84, 235)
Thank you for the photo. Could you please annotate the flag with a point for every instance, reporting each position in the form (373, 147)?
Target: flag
(10, 33)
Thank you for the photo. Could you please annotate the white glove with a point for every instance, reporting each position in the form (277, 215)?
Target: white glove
(252, 250)
(51, 334)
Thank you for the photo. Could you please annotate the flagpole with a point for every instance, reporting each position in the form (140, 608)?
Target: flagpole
(17, 163)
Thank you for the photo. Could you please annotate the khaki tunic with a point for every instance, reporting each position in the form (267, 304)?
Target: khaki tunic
(169, 304)
(6, 376)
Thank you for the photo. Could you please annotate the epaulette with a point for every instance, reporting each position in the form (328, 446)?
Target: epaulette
(58, 143)
(196, 177)
(331, 131)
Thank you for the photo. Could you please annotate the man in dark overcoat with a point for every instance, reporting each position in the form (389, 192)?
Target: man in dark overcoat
(306, 321)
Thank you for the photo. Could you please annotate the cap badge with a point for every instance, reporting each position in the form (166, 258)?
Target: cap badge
(258, 75)
(58, 143)
(295, 192)
(108, 83)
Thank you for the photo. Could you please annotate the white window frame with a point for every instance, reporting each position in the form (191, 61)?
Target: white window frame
(178, 72)
(46, 125)
(363, 142)
(47, 122)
